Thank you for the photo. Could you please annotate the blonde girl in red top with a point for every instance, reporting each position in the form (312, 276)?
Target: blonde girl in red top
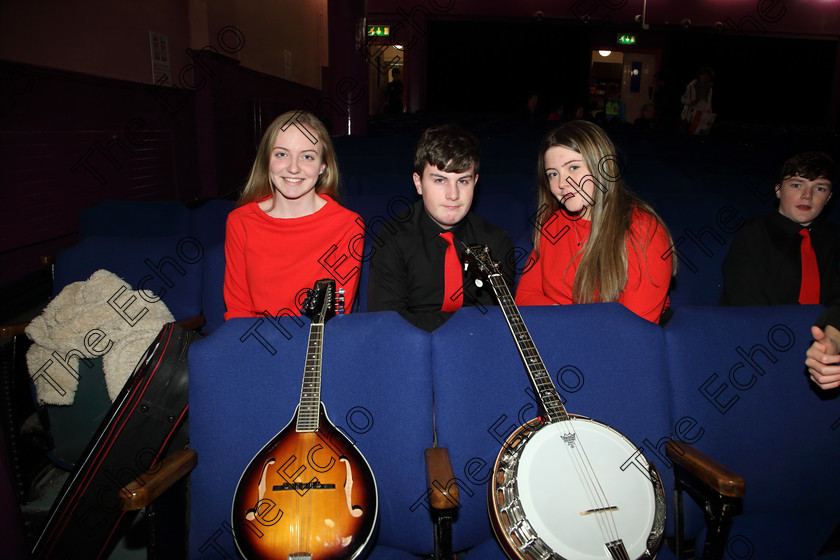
(594, 241)
(288, 230)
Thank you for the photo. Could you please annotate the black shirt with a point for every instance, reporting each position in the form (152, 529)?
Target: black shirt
(764, 265)
(407, 266)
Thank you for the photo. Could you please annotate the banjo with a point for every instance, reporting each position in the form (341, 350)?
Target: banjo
(562, 488)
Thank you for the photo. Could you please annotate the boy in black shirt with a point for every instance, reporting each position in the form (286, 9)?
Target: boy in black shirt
(407, 272)
(768, 263)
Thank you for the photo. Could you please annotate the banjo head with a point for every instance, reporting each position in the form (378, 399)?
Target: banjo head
(565, 489)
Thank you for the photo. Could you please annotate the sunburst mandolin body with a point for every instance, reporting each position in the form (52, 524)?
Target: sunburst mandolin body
(305, 493)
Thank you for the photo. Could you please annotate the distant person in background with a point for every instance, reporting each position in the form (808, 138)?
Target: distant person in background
(666, 100)
(531, 109)
(647, 119)
(579, 113)
(558, 113)
(614, 110)
(698, 95)
(791, 256)
(394, 93)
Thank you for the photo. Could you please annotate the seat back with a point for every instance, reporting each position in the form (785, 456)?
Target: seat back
(207, 226)
(134, 218)
(739, 380)
(245, 380)
(170, 267)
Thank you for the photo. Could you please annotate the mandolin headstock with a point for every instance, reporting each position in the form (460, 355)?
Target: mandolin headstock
(320, 303)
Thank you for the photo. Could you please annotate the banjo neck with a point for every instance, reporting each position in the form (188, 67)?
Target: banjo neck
(547, 395)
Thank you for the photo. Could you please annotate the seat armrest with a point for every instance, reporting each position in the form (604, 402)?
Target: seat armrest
(15, 329)
(716, 476)
(192, 323)
(146, 488)
(441, 479)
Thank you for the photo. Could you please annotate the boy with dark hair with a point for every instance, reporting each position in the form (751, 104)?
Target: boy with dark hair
(417, 268)
(788, 257)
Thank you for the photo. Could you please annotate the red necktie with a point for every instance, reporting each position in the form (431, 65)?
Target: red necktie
(453, 295)
(809, 292)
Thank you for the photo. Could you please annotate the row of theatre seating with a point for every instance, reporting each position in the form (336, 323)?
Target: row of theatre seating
(179, 253)
(729, 381)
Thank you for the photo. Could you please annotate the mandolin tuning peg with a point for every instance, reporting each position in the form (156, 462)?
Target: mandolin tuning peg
(339, 302)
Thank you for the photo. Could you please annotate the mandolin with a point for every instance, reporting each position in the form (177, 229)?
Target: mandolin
(560, 488)
(309, 493)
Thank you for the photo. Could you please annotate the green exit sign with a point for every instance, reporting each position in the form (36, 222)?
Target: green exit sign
(626, 39)
(379, 30)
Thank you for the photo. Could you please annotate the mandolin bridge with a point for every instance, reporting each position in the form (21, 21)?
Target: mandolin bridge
(315, 485)
(300, 556)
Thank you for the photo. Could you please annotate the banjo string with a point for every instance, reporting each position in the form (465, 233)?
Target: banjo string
(592, 485)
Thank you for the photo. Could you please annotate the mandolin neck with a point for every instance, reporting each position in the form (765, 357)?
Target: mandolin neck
(310, 391)
(546, 393)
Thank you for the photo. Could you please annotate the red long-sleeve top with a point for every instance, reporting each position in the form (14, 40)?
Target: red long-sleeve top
(549, 281)
(270, 263)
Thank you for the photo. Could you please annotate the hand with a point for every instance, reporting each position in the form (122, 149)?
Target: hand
(823, 357)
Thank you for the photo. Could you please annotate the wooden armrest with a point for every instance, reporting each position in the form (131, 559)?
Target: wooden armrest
(719, 478)
(15, 329)
(192, 323)
(189, 324)
(145, 489)
(441, 479)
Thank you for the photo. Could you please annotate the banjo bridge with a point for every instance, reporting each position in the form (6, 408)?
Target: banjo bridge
(600, 510)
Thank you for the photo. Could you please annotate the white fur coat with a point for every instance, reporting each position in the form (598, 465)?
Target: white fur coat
(96, 317)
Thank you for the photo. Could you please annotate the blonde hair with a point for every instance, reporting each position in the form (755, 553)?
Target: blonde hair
(602, 272)
(259, 185)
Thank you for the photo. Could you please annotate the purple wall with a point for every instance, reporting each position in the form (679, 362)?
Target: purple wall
(69, 140)
(806, 18)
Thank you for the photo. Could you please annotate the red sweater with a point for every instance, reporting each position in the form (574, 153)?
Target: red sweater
(271, 262)
(549, 282)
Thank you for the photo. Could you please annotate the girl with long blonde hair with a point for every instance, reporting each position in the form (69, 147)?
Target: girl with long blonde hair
(594, 240)
(288, 229)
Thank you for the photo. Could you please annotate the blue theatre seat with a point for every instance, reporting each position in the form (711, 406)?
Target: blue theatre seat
(738, 374)
(134, 218)
(170, 267)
